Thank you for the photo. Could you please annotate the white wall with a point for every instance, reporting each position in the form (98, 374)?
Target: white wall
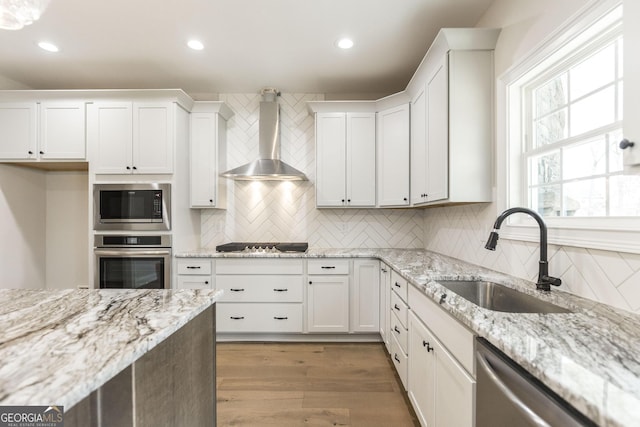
(285, 211)
(22, 227)
(605, 276)
(66, 243)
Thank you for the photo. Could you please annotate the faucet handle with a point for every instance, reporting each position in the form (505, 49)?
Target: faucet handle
(551, 280)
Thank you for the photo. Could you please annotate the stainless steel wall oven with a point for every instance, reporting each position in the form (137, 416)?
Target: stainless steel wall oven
(132, 262)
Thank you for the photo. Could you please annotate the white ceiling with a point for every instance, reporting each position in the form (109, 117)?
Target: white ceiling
(249, 44)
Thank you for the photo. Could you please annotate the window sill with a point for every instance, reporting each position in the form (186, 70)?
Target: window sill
(618, 235)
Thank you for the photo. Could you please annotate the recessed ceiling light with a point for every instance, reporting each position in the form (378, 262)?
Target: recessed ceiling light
(345, 43)
(49, 47)
(195, 44)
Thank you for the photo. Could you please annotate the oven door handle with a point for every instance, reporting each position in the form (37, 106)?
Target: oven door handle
(144, 252)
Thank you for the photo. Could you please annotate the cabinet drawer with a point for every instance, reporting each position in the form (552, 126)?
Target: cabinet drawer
(247, 317)
(456, 337)
(259, 266)
(273, 288)
(399, 308)
(328, 266)
(194, 266)
(194, 282)
(400, 360)
(399, 284)
(400, 332)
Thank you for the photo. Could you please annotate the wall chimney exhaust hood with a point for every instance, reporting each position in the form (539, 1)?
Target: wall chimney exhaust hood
(268, 166)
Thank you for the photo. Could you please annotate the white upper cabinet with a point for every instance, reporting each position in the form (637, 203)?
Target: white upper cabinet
(452, 119)
(41, 131)
(393, 156)
(345, 159)
(132, 137)
(631, 100)
(208, 154)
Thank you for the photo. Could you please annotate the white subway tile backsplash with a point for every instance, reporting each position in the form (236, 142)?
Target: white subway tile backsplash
(605, 276)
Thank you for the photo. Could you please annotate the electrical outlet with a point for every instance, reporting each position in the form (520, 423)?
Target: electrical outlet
(344, 227)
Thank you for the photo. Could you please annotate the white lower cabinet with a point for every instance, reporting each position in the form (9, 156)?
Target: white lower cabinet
(440, 389)
(260, 295)
(365, 296)
(328, 296)
(194, 273)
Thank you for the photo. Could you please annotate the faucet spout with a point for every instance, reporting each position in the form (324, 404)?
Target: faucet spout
(544, 280)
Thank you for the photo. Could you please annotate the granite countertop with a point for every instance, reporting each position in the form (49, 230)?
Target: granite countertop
(57, 347)
(590, 357)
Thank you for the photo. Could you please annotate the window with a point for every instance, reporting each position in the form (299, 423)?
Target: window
(564, 108)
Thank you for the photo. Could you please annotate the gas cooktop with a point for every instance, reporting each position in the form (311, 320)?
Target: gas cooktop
(263, 247)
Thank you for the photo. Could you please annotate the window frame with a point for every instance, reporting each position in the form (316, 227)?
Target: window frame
(620, 234)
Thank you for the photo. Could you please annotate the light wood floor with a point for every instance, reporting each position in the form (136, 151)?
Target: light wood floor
(309, 384)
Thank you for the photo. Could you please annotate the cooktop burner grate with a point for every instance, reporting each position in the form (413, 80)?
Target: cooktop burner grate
(263, 247)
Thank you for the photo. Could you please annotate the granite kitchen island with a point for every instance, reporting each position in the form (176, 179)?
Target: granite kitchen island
(124, 357)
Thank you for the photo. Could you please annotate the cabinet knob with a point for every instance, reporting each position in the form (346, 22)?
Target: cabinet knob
(210, 200)
(135, 168)
(342, 200)
(310, 282)
(405, 199)
(348, 200)
(428, 347)
(30, 152)
(128, 168)
(625, 143)
(41, 152)
(206, 282)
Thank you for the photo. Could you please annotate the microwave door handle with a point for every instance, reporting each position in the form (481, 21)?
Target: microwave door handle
(114, 252)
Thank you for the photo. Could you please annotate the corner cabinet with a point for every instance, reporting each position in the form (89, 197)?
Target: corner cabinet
(132, 137)
(345, 159)
(42, 131)
(393, 156)
(208, 153)
(452, 119)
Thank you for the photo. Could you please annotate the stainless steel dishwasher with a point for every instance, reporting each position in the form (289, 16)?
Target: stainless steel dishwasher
(508, 396)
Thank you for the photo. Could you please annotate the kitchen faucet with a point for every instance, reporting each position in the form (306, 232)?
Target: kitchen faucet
(544, 280)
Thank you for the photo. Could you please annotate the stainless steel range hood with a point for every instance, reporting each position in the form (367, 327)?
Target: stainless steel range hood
(268, 166)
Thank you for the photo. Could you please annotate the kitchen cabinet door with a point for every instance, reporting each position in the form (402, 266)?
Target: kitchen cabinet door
(132, 138)
(393, 156)
(365, 296)
(418, 150)
(62, 131)
(437, 101)
(631, 100)
(345, 160)
(153, 137)
(19, 131)
(328, 303)
(440, 390)
(361, 159)
(331, 145)
(421, 372)
(207, 157)
(110, 135)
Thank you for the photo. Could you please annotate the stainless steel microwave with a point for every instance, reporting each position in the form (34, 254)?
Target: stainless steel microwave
(132, 207)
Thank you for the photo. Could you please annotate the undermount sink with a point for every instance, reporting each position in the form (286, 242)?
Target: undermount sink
(496, 297)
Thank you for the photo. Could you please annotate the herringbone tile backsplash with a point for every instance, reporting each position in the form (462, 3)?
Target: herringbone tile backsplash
(285, 211)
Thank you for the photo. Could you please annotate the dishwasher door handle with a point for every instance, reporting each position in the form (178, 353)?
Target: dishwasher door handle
(531, 416)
